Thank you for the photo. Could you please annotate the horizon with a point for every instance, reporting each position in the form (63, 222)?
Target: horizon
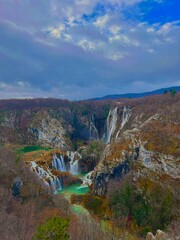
(99, 97)
(79, 50)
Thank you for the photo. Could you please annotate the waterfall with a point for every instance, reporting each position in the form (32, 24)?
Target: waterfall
(74, 167)
(59, 164)
(54, 182)
(125, 117)
(93, 130)
(87, 180)
(74, 164)
(58, 183)
(111, 124)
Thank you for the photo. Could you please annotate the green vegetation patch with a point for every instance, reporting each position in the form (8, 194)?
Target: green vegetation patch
(27, 149)
(150, 210)
(55, 228)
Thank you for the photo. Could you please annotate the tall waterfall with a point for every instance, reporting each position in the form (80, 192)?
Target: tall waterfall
(111, 124)
(125, 117)
(58, 163)
(93, 130)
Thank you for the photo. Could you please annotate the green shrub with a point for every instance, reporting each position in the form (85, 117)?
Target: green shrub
(93, 203)
(149, 209)
(55, 229)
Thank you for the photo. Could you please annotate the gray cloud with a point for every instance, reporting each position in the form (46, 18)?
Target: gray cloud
(82, 59)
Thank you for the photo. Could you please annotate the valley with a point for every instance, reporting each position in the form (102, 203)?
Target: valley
(114, 163)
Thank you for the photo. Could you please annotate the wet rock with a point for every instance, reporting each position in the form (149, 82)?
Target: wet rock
(16, 188)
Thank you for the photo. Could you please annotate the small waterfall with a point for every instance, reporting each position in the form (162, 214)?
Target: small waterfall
(58, 183)
(74, 164)
(74, 167)
(111, 124)
(125, 117)
(87, 180)
(55, 184)
(59, 164)
(93, 130)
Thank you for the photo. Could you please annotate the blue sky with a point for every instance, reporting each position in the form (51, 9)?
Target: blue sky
(78, 49)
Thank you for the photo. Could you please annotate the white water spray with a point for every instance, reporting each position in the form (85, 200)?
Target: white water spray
(111, 124)
(125, 117)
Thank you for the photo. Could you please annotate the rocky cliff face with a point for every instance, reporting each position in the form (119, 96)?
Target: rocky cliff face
(146, 147)
(141, 136)
(60, 126)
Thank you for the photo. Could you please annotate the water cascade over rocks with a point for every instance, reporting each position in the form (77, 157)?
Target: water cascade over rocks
(74, 163)
(125, 117)
(87, 180)
(54, 182)
(93, 130)
(111, 125)
(58, 163)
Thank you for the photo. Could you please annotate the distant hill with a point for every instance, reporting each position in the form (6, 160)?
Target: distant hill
(138, 95)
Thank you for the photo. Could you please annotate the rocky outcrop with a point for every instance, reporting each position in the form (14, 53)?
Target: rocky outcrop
(147, 148)
(113, 167)
(160, 235)
(49, 131)
(16, 188)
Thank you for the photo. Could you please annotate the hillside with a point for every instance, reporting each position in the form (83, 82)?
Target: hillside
(126, 146)
(138, 95)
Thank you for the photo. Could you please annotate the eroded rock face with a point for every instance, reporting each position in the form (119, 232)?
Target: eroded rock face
(49, 131)
(16, 188)
(113, 167)
(147, 149)
(160, 235)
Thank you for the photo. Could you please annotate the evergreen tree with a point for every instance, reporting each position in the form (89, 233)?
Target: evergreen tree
(173, 92)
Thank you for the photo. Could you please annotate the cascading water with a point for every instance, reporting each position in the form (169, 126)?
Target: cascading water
(125, 117)
(111, 124)
(74, 168)
(87, 180)
(93, 130)
(54, 182)
(59, 164)
(74, 164)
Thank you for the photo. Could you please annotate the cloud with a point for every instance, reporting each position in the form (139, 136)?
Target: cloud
(57, 32)
(114, 29)
(101, 21)
(80, 48)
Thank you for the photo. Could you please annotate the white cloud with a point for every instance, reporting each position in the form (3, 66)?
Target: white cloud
(114, 29)
(150, 29)
(123, 39)
(101, 21)
(67, 37)
(87, 45)
(114, 55)
(57, 32)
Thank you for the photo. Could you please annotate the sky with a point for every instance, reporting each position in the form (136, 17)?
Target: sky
(80, 49)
